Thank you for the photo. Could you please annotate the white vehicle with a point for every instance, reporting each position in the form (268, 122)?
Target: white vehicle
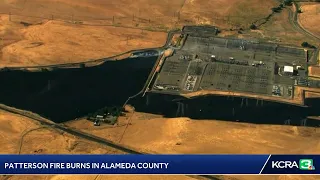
(159, 87)
(96, 123)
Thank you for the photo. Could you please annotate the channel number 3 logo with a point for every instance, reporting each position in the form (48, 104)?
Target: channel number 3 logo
(306, 164)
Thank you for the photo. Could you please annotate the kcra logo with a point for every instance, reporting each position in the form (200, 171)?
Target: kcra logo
(304, 164)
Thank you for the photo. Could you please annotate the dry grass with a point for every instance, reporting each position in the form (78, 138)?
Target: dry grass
(161, 135)
(155, 134)
(314, 71)
(59, 42)
(56, 42)
(306, 91)
(41, 141)
(94, 9)
(226, 14)
(312, 94)
(279, 29)
(50, 141)
(310, 17)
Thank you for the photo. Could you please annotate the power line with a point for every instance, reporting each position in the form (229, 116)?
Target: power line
(112, 19)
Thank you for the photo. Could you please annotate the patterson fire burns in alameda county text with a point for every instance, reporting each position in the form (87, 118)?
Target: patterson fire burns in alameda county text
(86, 165)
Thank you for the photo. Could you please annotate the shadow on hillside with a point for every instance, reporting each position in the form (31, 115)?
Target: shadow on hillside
(66, 94)
(228, 109)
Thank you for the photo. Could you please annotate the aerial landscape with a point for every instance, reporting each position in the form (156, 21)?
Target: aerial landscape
(160, 77)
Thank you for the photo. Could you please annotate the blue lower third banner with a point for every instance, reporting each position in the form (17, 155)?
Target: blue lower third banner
(160, 164)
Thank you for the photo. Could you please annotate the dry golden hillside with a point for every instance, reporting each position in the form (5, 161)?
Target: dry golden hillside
(310, 17)
(41, 32)
(55, 42)
(155, 134)
(25, 136)
(183, 135)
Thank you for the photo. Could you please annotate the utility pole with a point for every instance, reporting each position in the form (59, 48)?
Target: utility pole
(9, 16)
(51, 17)
(112, 19)
(182, 112)
(303, 122)
(287, 122)
(49, 85)
(72, 18)
(147, 100)
(178, 109)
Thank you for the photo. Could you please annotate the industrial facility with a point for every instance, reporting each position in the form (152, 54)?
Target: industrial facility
(205, 64)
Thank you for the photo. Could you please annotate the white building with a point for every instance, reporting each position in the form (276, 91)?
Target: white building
(288, 70)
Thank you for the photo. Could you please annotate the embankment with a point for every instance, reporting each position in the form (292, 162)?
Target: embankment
(228, 109)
